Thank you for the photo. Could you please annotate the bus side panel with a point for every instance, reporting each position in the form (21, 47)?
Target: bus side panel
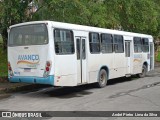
(139, 60)
(94, 64)
(146, 58)
(119, 65)
(65, 70)
(137, 63)
(96, 61)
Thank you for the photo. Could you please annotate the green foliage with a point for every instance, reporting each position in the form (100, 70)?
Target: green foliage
(86, 12)
(134, 15)
(158, 57)
(3, 63)
(1, 40)
(130, 15)
(12, 12)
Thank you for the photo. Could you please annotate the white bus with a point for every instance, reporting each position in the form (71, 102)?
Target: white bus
(63, 54)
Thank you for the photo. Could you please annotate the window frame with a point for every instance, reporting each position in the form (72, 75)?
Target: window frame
(9, 36)
(141, 45)
(112, 43)
(117, 44)
(144, 45)
(90, 33)
(72, 38)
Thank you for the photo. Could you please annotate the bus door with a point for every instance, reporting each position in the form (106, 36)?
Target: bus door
(128, 56)
(81, 59)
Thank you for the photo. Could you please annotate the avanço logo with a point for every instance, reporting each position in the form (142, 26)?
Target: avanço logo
(28, 59)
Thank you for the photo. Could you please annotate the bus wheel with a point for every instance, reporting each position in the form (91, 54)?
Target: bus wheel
(102, 79)
(144, 71)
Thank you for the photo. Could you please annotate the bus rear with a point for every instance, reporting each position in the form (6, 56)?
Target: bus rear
(29, 60)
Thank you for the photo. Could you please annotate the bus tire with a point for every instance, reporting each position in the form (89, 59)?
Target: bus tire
(102, 79)
(144, 71)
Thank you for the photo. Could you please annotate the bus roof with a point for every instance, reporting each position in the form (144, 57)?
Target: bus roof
(84, 28)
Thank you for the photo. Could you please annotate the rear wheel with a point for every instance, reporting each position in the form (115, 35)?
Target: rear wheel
(144, 71)
(102, 79)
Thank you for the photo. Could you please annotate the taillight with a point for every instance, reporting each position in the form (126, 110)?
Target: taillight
(10, 69)
(47, 68)
(48, 64)
(9, 64)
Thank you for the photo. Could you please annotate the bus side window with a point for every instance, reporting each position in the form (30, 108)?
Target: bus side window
(64, 43)
(78, 48)
(106, 43)
(118, 44)
(145, 44)
(83, 49)
(137, 44)
(94, 42)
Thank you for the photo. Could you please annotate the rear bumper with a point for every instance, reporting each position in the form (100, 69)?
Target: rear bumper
(39, 80)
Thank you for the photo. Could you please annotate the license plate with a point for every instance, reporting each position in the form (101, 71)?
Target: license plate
(27, 69)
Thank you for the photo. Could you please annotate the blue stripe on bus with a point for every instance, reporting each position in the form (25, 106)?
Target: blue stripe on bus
(39, 80)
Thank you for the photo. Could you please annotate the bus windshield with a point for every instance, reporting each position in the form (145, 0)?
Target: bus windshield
(34, 34)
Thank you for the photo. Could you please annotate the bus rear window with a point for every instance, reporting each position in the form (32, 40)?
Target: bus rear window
(34, 34)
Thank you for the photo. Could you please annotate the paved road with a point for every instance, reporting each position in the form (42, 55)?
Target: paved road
(142, 94)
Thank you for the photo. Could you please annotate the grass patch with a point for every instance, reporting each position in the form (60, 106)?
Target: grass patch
(3, 63)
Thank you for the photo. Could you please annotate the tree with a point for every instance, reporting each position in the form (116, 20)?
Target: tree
(12, 12)
(88, 12)
(134, 15)
(156, 6)
(129, 15)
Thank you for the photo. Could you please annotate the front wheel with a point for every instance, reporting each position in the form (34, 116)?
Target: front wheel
(102, 79)
(144, 71)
